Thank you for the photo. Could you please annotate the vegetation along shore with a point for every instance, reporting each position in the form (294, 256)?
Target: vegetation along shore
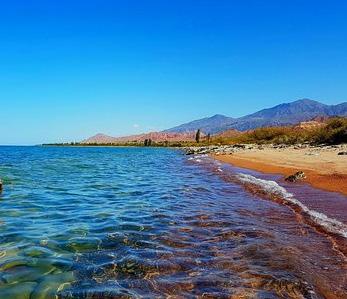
(316, 147)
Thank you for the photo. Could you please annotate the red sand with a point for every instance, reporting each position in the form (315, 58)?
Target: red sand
(326, 170)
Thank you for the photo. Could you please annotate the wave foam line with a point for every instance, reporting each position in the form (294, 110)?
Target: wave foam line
(330, 224)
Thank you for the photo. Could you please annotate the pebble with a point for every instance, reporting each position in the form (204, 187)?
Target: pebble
(230, 149)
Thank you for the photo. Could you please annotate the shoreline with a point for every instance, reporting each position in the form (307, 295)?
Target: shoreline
(323, 167)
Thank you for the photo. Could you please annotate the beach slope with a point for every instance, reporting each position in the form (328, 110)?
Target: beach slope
(323, 166)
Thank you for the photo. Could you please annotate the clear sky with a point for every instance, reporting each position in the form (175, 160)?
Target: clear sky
(70, 69)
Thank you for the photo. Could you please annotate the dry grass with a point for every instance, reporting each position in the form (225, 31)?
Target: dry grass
(334, 131)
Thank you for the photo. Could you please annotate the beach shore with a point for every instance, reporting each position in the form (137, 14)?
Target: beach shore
(324, 168)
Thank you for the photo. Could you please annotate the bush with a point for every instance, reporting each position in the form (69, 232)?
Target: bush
(334, 132)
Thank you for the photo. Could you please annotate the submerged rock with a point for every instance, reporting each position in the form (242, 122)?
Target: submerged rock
(12, 263)
(1, 184)
(342, 153)
(20, 290)
(300, 175)
(22, 274)
(51, 285)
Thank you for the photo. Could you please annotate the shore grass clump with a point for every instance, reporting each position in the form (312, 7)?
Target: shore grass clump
(335, 132)
(275, 135)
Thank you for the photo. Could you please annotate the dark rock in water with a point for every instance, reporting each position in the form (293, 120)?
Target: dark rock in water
(300, 175)
(1, 184)
(342, 153)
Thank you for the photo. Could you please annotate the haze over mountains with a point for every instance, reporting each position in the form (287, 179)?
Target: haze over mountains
(280, 115)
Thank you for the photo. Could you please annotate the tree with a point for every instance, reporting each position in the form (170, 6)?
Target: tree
(146, 142)
(208, 138)
(197, 136)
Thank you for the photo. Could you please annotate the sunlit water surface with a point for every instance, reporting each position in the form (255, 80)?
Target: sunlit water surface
(139, 222)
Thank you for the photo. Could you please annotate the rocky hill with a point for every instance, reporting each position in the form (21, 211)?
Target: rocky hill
(154, 136)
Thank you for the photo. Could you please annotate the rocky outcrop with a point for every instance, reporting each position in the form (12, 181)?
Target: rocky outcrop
(298, 176)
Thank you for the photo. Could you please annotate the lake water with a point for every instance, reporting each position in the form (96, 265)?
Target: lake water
(142, 222)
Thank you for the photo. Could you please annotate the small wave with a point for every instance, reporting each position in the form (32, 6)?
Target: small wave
(198, 158)
(329, 224)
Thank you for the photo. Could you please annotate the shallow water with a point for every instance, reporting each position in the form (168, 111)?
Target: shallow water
(140, 222)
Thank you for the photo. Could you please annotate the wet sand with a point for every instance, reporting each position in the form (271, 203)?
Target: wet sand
(324, 168)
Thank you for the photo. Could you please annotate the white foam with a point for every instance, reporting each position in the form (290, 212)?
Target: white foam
(201, 156)
(330, 224)
(198, 158)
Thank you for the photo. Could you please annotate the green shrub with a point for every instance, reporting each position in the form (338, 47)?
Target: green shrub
(334, 132)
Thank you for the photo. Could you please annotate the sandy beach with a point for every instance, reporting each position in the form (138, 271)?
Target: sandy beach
(324, 168)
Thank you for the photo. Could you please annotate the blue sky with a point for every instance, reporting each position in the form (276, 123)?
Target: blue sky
(70, 69)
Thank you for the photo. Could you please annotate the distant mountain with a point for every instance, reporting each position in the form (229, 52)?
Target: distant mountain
(340, 109)
(280, 115)
(99, 139)
(213, 124)
(284, 114)
(155, 136)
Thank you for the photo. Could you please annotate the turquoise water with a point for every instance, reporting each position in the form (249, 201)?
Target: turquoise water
(142, 222)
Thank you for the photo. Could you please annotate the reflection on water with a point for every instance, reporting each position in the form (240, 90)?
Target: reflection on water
(134, 222)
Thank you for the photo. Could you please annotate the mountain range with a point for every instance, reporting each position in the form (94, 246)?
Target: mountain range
(280, 115)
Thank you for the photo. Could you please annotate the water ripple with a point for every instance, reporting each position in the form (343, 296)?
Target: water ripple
(135, 222)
